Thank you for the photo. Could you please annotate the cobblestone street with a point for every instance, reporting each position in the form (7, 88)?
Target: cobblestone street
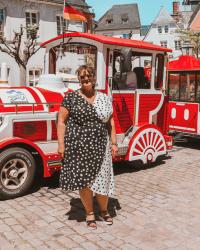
(153, 208)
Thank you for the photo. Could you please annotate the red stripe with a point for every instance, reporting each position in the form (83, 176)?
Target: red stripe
(72, 13)
(71, 10)
(76, 17)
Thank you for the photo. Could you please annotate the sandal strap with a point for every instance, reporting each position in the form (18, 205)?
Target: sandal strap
(89, 222)
(90, 213)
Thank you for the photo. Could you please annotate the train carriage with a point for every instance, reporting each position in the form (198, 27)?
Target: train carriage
(28, 139)
(184, 96)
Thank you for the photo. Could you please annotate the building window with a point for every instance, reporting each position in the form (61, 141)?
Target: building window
(166, 28)
(125, 36)
(109, 21)
(2, 18)
(108, 34)
(61, 24)
(34, 75)
(31, 18)
(124, 19)
(159, 29)
(177, 45)
(163, 44)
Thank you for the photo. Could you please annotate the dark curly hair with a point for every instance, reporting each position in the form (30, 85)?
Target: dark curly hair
(82, 68)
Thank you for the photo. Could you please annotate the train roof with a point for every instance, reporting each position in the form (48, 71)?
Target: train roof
(111, 41)
(184, 63)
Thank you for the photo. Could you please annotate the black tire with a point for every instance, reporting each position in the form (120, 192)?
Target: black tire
(11, 161)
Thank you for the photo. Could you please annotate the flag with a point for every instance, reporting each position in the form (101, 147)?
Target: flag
(71, 13)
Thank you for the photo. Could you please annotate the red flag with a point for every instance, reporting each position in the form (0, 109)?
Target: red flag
(71, 13)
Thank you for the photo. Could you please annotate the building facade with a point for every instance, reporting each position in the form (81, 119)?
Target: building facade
(164, 32)
(120, 21)
(48, 15)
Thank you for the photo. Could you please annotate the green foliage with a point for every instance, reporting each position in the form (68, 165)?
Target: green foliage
(193, 37)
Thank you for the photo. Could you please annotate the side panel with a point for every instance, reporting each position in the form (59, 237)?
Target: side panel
(147, 105)
(183, 117)
(123, 109)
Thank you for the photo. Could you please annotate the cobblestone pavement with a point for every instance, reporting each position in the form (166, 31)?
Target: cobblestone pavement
(156, 208)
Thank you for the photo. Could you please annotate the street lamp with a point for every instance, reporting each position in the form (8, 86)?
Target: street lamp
(187, 48)
(60, 51)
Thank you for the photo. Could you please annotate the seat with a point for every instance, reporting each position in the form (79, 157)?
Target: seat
(142, 82)
(131, 80)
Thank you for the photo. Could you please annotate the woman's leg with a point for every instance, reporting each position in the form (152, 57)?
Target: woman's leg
(86, 196)
(103, 206)
(102, 201)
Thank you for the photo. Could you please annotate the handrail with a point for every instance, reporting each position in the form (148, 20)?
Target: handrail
(16, 105)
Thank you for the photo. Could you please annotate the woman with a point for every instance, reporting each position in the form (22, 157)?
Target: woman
(86, 135)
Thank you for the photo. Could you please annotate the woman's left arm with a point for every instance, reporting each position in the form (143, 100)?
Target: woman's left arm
(112, 133)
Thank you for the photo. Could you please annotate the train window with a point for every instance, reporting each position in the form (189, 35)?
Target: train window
(72, 57)
(184, 87)
(159, 71)
(198, 88)
(131, 70)
(174, 86)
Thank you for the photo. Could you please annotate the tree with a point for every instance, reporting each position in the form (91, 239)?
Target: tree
(193, 37)
(21, 50)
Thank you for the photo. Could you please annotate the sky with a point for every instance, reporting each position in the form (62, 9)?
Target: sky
(148, 9)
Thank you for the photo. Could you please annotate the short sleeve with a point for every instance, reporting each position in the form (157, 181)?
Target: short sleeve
(67, 101)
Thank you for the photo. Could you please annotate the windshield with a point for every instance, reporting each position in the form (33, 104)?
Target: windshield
(73, 55)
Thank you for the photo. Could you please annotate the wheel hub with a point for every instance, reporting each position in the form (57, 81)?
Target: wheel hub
(13, 173)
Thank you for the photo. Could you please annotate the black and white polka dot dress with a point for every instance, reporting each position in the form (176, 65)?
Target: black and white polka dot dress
(87, 161)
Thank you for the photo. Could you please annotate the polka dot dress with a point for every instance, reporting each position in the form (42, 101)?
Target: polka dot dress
(87, 160)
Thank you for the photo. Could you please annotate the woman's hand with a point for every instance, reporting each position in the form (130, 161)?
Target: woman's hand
(114, 150)
(61, 150)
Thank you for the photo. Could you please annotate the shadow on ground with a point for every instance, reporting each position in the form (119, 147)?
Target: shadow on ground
(189, 142)
(77, 211)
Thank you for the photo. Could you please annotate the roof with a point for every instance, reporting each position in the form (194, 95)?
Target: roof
(144, 29)
(111, 41)
(195, 13)
(163, 18)
(184, 63)
(81, 3)
(116, 13)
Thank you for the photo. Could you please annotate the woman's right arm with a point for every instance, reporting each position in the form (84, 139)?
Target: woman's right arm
(62, 118)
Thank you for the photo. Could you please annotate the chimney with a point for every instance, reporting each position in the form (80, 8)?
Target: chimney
(176, 7)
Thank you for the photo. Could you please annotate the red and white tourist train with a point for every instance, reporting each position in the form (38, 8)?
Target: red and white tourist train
(184, 96)
(28, 138)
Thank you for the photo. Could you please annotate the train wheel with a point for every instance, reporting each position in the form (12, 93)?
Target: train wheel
(147, 145)
(17, 171)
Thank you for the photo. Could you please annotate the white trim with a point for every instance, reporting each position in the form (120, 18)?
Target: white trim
(49, 130)
(179, 127)
(155, 111)
(137, 98)
(164, 87)
(42, 99)
(48, 147)
(198, 123)
(123, 91)
(153, 68)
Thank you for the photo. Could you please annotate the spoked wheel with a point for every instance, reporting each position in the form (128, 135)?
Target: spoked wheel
(17, 170)
(147, 145)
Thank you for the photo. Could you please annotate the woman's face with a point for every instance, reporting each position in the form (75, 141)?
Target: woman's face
(86, 79)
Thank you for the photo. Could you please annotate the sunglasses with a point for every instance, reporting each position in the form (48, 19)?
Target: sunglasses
(84, 76)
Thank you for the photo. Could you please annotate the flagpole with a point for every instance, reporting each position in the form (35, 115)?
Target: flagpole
(66, 21)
